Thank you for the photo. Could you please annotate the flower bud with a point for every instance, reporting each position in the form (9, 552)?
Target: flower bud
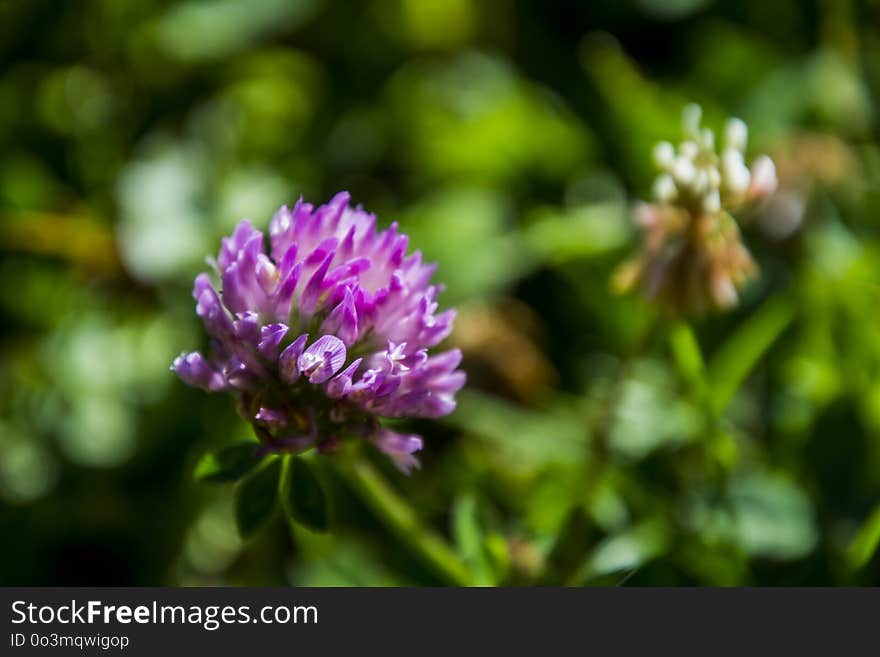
(664, 188)
(664, 155)
(707, 140)
(712, 201)
(684, 171)
(763, 177)
(689, 149)
(736, 134)
(690, 120)
(735, 174)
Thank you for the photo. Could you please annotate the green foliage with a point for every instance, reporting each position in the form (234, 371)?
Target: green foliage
(471, 540)
(597, 441)
(574, 540)
(772, 517)
(256, 498)
(302, 496)
(228, 464)
(866, 541)
(734, 360)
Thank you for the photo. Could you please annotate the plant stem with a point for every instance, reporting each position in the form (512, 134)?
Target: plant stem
(692, 367)
(401, 519)
(598, 464)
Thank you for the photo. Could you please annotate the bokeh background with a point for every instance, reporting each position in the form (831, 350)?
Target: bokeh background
(509, 138)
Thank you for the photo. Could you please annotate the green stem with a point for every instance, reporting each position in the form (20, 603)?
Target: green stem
(400, 518)
(598, 463)
(692, 367)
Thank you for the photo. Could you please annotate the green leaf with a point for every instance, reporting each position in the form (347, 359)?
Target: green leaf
(255, 498)
(866, 541)
(302, 496)
(518, 435)
(228, 464)
(470, 540)
(585, 231)
(773, 518)
(688, 357)
(630, 549)
(574, 541)
(736, 358)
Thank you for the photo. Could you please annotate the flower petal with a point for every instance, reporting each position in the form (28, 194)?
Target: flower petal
(323, 359)
(400, 447)
(288, 368)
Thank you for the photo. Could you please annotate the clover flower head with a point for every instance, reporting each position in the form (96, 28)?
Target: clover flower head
(693, 258)
(325, 332)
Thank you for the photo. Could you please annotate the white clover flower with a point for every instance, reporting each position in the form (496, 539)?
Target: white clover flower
(693, 258)
(698, 171)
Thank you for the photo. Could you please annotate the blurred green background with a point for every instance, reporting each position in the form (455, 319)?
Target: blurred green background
(509, 139)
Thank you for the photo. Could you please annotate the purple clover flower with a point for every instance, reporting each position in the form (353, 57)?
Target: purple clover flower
(326, 333)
